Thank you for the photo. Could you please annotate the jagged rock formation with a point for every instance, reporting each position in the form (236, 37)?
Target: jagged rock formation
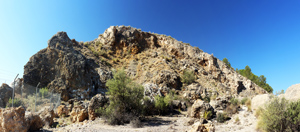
(5, 94)
(64, 69)
(80, 70)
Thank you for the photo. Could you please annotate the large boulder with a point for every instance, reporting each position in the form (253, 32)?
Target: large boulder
(63, 68)
(5, 94)
(96, 102)
(292, 93)
(78, 114)
(199, 108)
(13, 120)
(62, 110)
(260, 100)
(34, 121)
(47, 115)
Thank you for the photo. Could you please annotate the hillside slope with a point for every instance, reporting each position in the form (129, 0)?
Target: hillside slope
(80, 69)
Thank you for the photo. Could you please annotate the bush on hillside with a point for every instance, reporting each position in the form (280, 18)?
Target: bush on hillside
(188, 77)
(125, 99)
(273, 117)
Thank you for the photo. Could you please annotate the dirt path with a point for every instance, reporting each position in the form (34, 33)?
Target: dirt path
(153, 124)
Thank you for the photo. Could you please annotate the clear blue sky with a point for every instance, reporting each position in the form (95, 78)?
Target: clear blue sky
(264, 34)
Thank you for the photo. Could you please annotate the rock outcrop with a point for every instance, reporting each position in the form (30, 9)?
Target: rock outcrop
(5, 94)
(64, 69)
(79, 70)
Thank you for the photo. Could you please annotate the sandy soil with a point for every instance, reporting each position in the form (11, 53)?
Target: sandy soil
(247, 122)
(153, 124)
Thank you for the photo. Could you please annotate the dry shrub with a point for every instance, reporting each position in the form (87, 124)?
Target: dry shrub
(231, 109)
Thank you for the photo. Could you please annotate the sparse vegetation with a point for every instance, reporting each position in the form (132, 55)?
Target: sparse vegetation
(234, 101)
(243, 101)
(225, 60)
(222, 117)
(207, 115)
(44, 91)
(260, 81)
(17, 102)
(188, 77)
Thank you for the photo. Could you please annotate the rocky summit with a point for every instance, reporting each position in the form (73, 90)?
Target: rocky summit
(80, 69)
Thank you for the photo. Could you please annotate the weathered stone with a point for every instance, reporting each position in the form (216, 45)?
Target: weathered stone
(176, 104)
(46, 114)
(199, 127)
(96, 102)
(34, 121)
(78, 114)
(292, 93)
(13, 120)
(62, 110)
(63, 68)
(5, 94)
(199, 108)
(260, 100)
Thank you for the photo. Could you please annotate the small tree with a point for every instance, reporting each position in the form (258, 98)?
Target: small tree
(125, 99)
(225, 60)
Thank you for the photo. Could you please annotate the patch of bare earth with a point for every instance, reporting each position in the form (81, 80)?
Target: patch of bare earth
(151, 124)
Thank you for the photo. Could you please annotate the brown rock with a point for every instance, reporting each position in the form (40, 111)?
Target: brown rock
(12, 120)
(78, 114)
(62, 110)
(47, 115)
(96, 102)
(34, 121)
(5, 94)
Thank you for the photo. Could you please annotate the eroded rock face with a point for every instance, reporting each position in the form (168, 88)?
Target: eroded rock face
(64, 69)
(96, 102)
(13, 120)
(5, 94)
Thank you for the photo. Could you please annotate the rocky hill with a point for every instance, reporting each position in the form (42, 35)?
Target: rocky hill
(80, 69)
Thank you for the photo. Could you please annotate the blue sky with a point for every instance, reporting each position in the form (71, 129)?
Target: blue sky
(264, 34)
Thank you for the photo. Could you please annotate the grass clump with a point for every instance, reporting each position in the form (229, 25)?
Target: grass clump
(207, 115)
(243, 101)
(188, 77)
(222, 117)
(17, 102)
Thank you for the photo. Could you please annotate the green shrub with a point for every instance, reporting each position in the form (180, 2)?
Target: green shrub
(222, 117)
(17, 102)
(207, 115)
(243, 101)
(125, 99)
(234, 101)
(273, 117)
(44, 91)
(160, 104)
(188, 77)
